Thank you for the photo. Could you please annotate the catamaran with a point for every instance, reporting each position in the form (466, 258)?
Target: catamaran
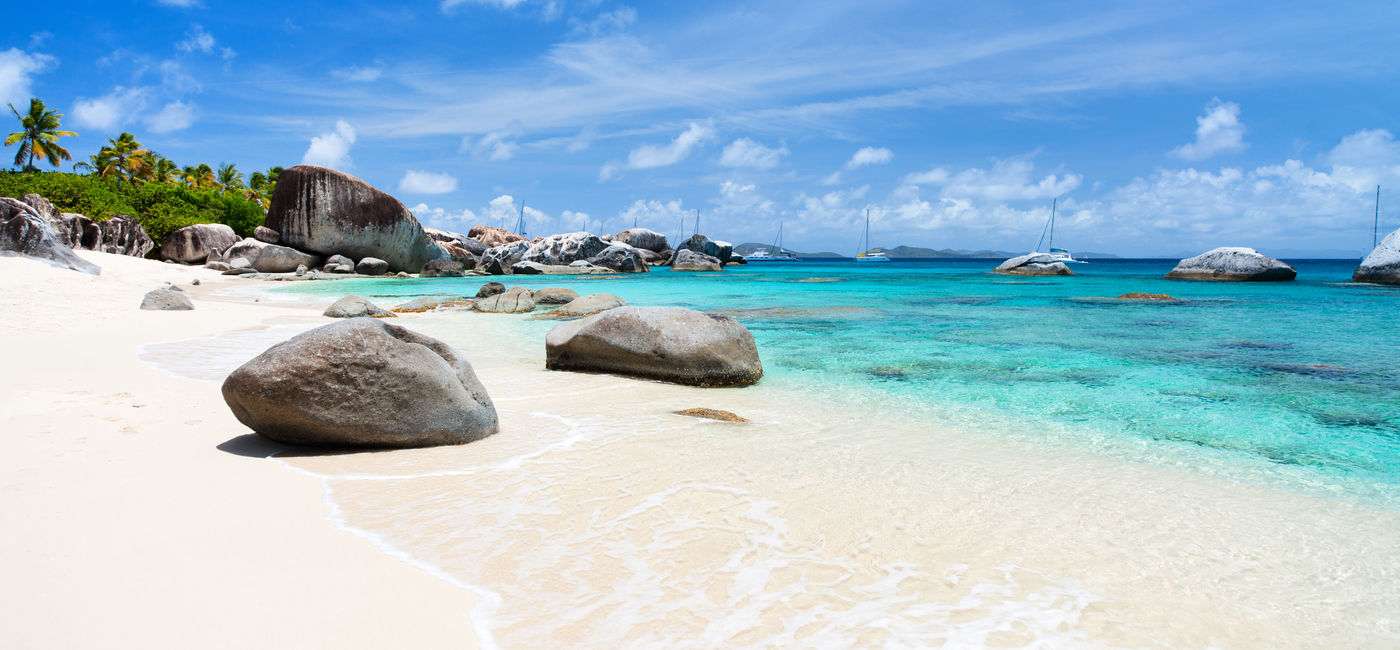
(1059, 254)
(870, 254)
(775, 253)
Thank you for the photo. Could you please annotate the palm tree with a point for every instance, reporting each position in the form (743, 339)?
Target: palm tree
(200, 176)
(230, 178)
(39, 139)
(124, 159)
(162, 169)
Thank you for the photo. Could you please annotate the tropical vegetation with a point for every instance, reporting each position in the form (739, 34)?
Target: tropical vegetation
(124, 177)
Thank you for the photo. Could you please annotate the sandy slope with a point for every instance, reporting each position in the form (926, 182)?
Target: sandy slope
(129, 522)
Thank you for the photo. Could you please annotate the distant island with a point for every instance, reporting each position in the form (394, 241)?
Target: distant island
(906, 252)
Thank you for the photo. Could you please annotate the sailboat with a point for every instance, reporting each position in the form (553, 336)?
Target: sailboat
(870, 254)
(1059, 254)
(774, 253)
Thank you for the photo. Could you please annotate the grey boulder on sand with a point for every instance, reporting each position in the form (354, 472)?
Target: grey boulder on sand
(361, 383)
(29, 235)
(1033, 264)
(192, 244)
(167, 299)
(371, 266)
(355, 307)
(667, 343)
(1383, 264)
(1232, 264)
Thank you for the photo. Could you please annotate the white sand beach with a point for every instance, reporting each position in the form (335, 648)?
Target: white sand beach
(127, 526)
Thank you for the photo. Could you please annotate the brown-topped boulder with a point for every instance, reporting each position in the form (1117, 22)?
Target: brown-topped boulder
(1033, 264)
(492, 236)
(192, 244)
(327, 212)
(1233, 264)
(361, 383)
(666, 343)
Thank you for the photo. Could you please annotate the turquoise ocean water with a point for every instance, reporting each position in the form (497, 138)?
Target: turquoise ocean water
(1286, 384)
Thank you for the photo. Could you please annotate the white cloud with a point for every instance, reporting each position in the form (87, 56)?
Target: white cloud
(363, 74)
(604, 23)
(663, 217)
(870, 156)
(494, 146)
(1007, 180)
(1218, 130)
(331, 149)
(16, 67)
(112, 110)
(197, 40)
(421, 182)
(438, 217)
(648, 156)
(747, 153)
(175, 116)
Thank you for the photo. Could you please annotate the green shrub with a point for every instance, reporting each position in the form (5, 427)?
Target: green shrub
(160, 208)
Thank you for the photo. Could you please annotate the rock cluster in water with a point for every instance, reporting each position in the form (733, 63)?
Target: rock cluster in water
(1033, 264)
(1232, 264)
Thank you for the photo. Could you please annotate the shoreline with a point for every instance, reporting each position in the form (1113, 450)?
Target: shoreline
(1048, 511)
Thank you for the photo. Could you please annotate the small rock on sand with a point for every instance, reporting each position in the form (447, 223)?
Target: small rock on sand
(712, 414)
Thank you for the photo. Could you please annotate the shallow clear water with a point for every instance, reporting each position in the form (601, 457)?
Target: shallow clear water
(1289, 384)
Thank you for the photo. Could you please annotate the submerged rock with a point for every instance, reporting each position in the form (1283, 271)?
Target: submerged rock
(355, 307)
(430, 303)
(29, 235)
(554, 296)
(688, 260)
(361, 383)
(1147, 296)
(192, 244)
(1383, 264)
(1232, 264)
(711, 414)
(167, 299)
(326, 212)
(666, 343)
(1033, 264)
(587, 306)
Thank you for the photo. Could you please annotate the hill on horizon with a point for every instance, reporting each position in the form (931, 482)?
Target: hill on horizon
(908, 252)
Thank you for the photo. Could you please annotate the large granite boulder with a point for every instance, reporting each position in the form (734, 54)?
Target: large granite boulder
(326, 212)
(666, 343)
(516, 300)
(642, 238)
(372, 266)
(1383, 264)
(689, 260)
(1033, 264)
(442, 269)
(702, 244)
(74, 230)
(123, 235)
(564, 249)
(191, 244)
(361, 383)
(355, 307)
(554, 296)
(622, 258)
(1232, 264)
(29, 235)
(491, 236)
(167, 299)
(270, 258)
(587, 306)
(499, 259)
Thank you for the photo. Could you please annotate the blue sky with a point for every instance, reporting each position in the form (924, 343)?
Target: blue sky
(1162, 130)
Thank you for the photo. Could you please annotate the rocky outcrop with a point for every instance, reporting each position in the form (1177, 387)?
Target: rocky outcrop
(28, 235)
(122, 235)
(1033, 264)
(621, 258)
(270, 258)
(167, 299)
(514, 301)
(1383, 264)
(1232, 264)
(355, 307)
(327, 212)
(442, 269)
(564, 249)
(642, 238)
(490, 289)
(499, 259)
(361, 383)
(372, 266)
(492, 237)
(702, 244)
(263, 233)
(192, 244)
(587, 306)
(554, 296)
(689, 260)
(666, 343)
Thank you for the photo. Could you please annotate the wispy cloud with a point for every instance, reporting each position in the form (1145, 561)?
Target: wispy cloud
(17, 69)
(649, 156)
(112, 110)
(332, 148)
(1218, 130)
(174, 116)
(744, 152)
(421, 182)
(362, 74)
